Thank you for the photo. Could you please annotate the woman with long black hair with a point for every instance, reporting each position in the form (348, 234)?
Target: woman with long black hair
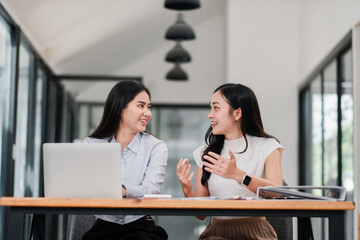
(144, 159)
(239, 156)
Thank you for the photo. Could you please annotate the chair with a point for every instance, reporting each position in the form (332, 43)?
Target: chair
(77, 225)
(283, 227)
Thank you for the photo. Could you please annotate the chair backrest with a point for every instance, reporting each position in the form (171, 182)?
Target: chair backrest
(283, 227)
(77, 225)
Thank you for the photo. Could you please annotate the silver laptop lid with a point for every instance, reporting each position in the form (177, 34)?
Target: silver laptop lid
(82, 170)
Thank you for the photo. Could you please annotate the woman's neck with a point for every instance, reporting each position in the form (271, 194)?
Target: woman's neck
(124, 138)
(235, 134)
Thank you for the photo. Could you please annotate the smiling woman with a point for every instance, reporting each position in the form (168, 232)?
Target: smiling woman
(144, 159)
(238, 158)
(134, 118)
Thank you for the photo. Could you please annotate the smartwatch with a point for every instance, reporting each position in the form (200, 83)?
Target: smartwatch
(246, 180)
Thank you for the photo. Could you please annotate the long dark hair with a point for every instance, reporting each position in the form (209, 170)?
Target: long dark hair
(237, 96)
(119, 97)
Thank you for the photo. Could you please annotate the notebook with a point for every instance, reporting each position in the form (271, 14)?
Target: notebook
(82, 170)
(331, 193)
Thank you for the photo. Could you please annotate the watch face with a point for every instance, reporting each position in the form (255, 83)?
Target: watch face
(247, 180)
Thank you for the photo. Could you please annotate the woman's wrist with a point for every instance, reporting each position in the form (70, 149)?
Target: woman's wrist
(240, 175)
(123, 191)
(186, 192)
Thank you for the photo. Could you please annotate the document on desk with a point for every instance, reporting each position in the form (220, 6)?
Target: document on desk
(218, 198)
(156, 196)
(168, 196)
(330, 193)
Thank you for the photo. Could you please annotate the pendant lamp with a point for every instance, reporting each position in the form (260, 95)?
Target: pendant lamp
(177, 74)
(178, 54)
(180, 30)
(182, 4)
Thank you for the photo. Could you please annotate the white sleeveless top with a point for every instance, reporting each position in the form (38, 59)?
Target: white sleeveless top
(252, 161)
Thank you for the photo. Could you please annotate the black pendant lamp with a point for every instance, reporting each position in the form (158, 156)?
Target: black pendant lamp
(178, 54)
(182, 4)
(177, 74)
(180, 30)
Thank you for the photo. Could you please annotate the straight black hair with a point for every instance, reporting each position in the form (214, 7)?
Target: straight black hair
(237, 96)
(119, 97)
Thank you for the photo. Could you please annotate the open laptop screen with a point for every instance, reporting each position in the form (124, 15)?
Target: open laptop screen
(82, 170)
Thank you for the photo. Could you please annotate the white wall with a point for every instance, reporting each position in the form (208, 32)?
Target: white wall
(262, 53)
(322, 24)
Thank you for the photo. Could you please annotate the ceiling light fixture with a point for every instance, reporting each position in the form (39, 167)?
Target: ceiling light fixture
(180, 30)
(182, 4)
(176, 73)
(178, 54)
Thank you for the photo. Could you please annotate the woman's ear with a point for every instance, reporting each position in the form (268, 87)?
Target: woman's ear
(237, 114)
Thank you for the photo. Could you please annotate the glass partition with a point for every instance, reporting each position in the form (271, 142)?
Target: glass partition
(330, 125)
(316, 127)
(38, 130)
(347, 134)
(22, 119)
(89, 118)
(183, 129)
(347, 121)
(5, 58)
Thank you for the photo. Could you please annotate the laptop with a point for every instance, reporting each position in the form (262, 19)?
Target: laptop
(82, 170)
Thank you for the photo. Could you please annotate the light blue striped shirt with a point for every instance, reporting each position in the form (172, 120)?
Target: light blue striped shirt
(143, 169)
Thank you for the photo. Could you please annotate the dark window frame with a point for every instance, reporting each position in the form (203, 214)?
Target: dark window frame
(335, 54)
(305, 160)
(13, 227)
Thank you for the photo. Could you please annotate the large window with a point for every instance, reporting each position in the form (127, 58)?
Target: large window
(316, 141)
(326, 128)
(22, 114)
(23, 86)
(347, 118)
(330, 127)
(40, 94)
(5, 49)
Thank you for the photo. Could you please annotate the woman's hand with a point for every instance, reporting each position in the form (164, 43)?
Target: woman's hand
(183, 173)
(223, 167)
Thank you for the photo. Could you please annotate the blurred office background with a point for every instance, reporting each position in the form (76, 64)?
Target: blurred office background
(59, 59)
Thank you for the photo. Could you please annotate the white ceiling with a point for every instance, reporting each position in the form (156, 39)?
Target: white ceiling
(61, 29)
(125, 38)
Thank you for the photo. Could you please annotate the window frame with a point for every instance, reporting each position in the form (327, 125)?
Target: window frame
(305, 123)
